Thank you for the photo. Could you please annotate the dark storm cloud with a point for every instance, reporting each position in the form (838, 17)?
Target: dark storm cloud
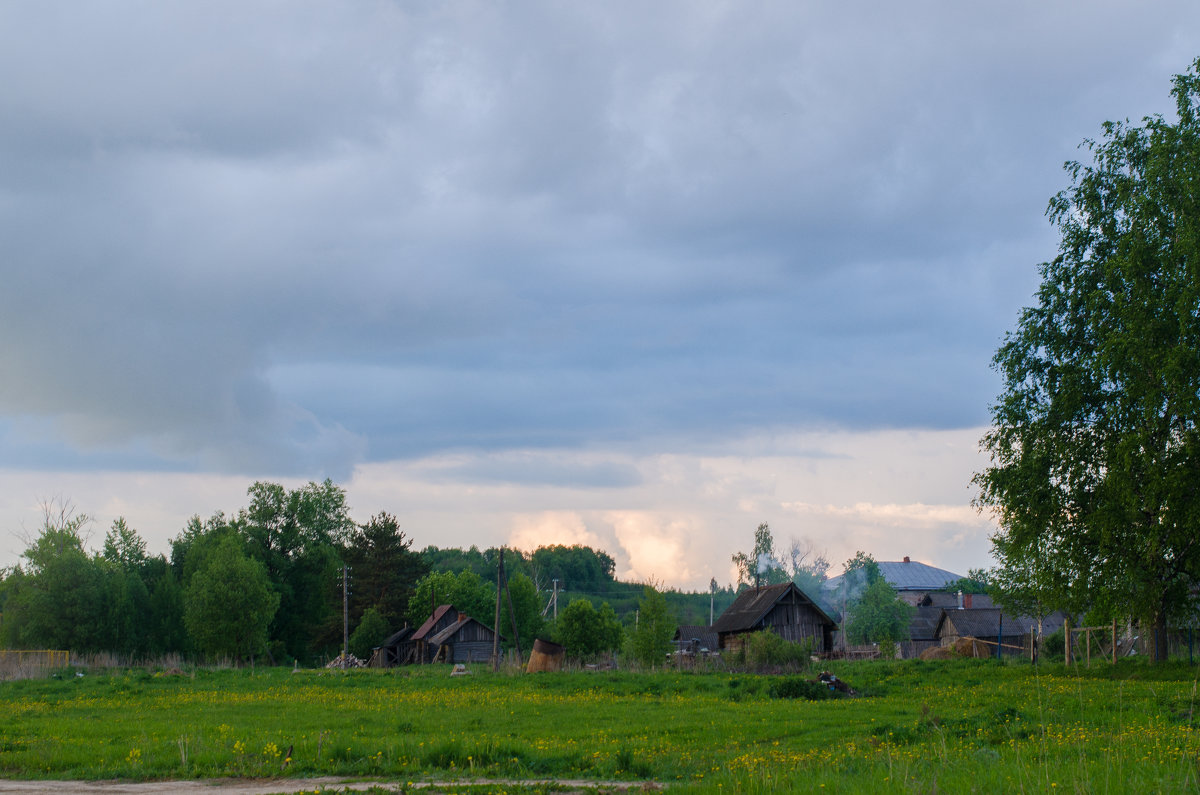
(287, 239)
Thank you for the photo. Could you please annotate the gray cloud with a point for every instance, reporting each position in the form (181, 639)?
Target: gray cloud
(252, 239)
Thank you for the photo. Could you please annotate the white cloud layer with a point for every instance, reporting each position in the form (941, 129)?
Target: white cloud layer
(678, 524)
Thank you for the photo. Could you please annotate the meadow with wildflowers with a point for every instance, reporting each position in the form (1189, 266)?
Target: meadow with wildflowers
(957, 726)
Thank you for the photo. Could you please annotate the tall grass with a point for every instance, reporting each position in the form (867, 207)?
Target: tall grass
(965, 725)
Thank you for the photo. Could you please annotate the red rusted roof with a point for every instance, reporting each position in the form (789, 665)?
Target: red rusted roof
(430, 622)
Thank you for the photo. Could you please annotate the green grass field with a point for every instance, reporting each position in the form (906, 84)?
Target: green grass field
(958, 726)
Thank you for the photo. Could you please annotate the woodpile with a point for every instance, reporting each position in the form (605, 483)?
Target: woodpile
(349, 661)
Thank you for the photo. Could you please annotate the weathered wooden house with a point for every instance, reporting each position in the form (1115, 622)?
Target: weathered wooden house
(783, 609)
(446, 636)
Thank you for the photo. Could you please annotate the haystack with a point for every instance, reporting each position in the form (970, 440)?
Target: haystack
(963, 647)
(546, 656)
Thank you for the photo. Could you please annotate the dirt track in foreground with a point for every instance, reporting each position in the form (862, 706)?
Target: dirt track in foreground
(292, 785)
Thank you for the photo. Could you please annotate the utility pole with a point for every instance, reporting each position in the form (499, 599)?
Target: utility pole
(345, 615)
(496, 623)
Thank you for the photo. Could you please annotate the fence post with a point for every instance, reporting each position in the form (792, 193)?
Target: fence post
(1067, 634)
(1114, 639)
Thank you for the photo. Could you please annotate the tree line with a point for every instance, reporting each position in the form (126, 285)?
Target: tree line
(266, 583)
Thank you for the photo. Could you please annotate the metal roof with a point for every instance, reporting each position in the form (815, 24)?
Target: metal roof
(905, 576)
(430, 622)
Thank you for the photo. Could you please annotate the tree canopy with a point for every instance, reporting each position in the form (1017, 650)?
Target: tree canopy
(650, 641)
(760, 566)
(586, 632)
(1094, 445)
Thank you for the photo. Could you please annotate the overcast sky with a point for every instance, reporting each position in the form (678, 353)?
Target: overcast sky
(635, 275)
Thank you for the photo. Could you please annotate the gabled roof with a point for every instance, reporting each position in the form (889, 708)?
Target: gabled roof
(431, 622)
(450, 631)
(923, 625)
(398, 636)
(753, 604)
(687, 632)
(984, 622)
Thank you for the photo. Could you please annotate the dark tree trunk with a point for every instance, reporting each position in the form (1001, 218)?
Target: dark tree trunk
(1159, 639)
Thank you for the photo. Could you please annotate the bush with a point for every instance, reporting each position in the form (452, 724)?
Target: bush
(799, 687)
(765, 649)
(1054, 646)
(372, 631)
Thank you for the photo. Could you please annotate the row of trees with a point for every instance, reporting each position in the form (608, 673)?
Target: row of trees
(266, 582)
(261, 582)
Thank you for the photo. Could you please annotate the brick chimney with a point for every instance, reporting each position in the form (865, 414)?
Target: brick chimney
(906, 560)
(967, 601)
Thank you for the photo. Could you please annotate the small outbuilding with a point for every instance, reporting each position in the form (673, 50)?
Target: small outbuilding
(783, 609)
(993, 625)
(988, 624)
(695, 640)
(446, 636)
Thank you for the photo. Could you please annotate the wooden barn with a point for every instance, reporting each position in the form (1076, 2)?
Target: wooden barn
(446, 636)
(922, 627)
(986, 624)
(994, 626)
(783, 609)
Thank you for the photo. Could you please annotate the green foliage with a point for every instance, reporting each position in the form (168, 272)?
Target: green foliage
(977, 581)
(466, 590)
(372, 631)
(767, 650)
(229, 604)
(862, 568)
(527, 607)
(799, 687)
(383, 569)
(650, 641)
(586, 632)
(576, 567)
(1054, 646)
(760, 566)
(483, 562)
(879, 614)
(297, 536)
(1096, 434)
(60, 601)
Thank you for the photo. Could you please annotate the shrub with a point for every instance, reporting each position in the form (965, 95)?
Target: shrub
(765, 648)
(799, 687)
(1054, 646)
